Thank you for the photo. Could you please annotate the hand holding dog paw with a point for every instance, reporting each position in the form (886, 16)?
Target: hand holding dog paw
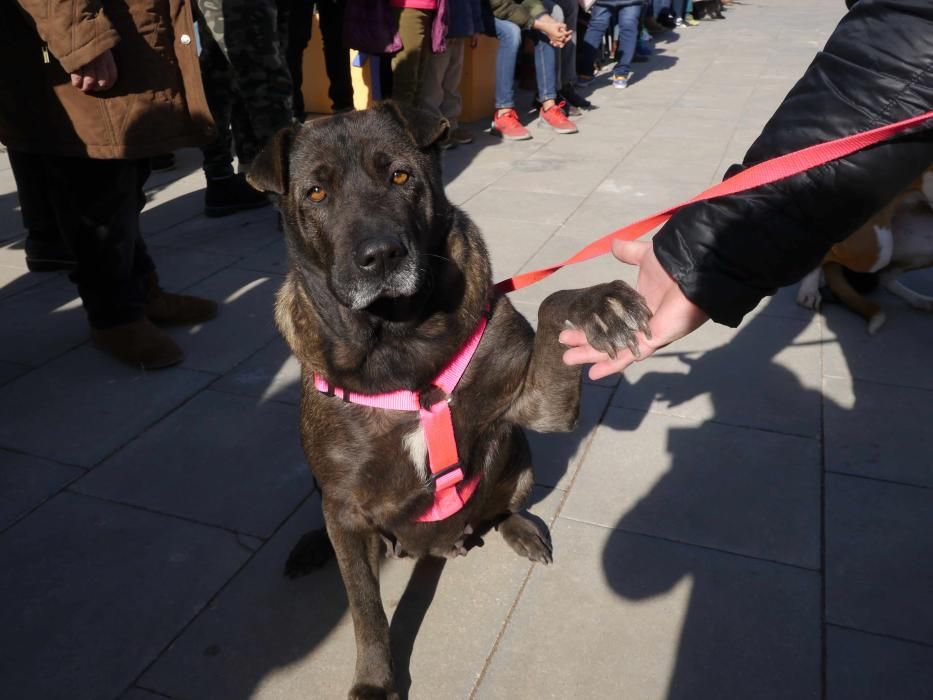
(610, 316)
(674, 316)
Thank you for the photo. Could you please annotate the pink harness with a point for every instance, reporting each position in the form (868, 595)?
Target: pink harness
(438, 427)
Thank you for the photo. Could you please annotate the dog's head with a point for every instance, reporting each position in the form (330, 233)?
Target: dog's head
(362, 200)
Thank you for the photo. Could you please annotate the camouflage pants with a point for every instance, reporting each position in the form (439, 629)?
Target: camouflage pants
(245, 75)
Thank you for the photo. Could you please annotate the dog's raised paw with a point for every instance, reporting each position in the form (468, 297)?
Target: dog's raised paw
(527, 539)
(311, 552)
(611, 315)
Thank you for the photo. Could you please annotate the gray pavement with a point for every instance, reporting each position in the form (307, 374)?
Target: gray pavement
(748, 514)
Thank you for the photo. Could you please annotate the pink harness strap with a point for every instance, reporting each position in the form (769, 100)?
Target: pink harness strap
(437, 425)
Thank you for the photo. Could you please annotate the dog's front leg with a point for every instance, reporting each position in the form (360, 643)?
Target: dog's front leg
(358, 555)
(610, 314)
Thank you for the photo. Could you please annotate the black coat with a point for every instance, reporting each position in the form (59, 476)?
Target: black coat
(876, 68)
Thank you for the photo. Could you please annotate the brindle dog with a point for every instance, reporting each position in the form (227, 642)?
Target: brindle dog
(387, 280)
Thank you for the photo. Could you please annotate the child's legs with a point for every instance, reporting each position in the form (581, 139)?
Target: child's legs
(628, 37)
(593, 38)
(510, 39)
(452, 104)
(414, 27)
(545, 67)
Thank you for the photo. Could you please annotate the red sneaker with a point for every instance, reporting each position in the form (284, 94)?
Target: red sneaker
(509, 127)
(557, 120)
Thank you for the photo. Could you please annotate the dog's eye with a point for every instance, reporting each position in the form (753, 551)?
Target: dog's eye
(317, 194)
(400, 177)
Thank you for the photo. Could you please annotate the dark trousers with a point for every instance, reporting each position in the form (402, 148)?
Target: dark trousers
(336, 58)
(95, 206)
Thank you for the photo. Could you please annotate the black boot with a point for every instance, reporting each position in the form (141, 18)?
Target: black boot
(228, 195)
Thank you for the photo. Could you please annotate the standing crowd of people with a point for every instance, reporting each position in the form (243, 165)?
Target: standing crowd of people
(99, 92)
(105, 90)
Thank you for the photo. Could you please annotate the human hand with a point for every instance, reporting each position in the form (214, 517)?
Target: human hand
(674, 315)
(474, 40)
(557, 33)
(98, 75)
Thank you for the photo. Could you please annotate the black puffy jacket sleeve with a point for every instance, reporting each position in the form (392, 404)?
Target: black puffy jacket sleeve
(877, 68)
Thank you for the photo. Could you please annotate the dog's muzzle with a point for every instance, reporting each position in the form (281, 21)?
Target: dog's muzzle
(379, 266)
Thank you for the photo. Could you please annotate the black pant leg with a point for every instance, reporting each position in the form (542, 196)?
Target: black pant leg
(97, 205)
(336, 58)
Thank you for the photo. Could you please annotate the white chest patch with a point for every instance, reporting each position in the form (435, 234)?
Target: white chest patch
(417, 449)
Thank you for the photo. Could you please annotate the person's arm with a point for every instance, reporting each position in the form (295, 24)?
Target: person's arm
(76, 31)
(876, 68)
(720, 258)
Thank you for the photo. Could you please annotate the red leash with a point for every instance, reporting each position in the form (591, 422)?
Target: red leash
(755, 176)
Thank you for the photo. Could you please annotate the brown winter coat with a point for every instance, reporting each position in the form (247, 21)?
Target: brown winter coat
(156, 105)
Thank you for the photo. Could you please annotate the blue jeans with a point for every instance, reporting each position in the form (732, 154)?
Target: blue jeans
(627, 19)
(545, 66)
(510, 39)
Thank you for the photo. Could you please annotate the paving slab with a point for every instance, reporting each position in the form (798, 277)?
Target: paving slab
(179, 269)
(140, 694)
(88, 405)
(205, 462)
(173, 201)
(863, 666)
(511, 243)
(557, 174)
(271, 259)
(764, 375)
(749, 492)
(243, 325)
(625, 616)
(878, 430)
(560, 248)
(898, 354)
(534, 207)
(271, 637)
(10, 371)
(240, 235)
(41, 323)
(26, 481)
(879, 573)
(271, 374)
(556, 456)
(100, 590)
(16, 279)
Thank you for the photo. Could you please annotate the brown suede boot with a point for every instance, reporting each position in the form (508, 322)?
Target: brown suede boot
(139, 344)
(177, 309)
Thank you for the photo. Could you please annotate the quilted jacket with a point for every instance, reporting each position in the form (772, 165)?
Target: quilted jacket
(876, 68)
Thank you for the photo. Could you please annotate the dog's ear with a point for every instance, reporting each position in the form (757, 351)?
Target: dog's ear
(269, 170)
(426, 127)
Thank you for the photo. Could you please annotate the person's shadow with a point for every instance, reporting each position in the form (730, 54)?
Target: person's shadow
(744, 488)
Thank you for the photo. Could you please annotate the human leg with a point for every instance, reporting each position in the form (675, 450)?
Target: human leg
(628, 36)
(593, 38)
(46, 250)
(226, 192)
(301, 13)
(336, 59)
(545, 67)
(505, 120)
(510, 39)
(253, 34)
(414, 27)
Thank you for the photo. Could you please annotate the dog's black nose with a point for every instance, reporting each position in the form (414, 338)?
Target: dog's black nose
(380, 254)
